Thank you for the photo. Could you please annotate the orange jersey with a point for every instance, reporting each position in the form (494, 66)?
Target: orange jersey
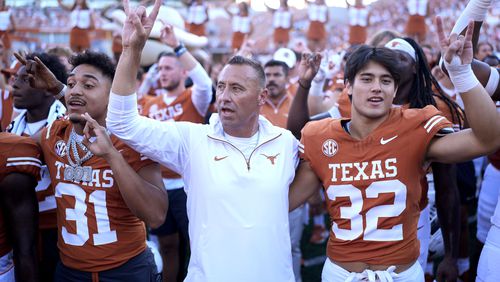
(180, 109)
(17, 154)
(373, 185)
(97, 231)
(277, 115)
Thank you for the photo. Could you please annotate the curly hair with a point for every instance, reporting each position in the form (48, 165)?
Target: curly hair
(98, 60)
(53, 63)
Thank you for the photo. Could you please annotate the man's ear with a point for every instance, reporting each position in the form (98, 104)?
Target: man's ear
(261, 99)
(349, 88)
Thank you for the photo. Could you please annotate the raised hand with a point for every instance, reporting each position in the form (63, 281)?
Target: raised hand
(138, 25)
(246, 49)
(39, 75)
(168, 37)
(102, 145)
(455, 49)
(308, 67)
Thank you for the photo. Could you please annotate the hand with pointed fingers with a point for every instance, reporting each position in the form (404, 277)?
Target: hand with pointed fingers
(455, 49)
(102, 145)
(39, 75)
(308, 68)
(138, 25)
(167, 36)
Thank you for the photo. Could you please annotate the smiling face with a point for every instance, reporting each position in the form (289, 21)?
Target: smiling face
(373, 91)
(239, 99)
(88, 91)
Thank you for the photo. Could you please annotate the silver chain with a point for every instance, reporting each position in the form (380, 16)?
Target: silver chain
(73, 145)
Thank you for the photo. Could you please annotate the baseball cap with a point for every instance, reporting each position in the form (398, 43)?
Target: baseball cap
(285, 55)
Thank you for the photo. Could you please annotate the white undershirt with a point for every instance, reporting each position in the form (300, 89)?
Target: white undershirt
(33, 127)
(245, 145)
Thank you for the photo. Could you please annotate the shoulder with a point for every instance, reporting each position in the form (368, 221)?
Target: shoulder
(319, 127)
(13, 144)
(429, 118)
(19, 154)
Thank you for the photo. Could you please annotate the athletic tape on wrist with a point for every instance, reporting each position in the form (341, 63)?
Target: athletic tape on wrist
(493, 81)
(461, 76)
(316, 88)
(476, 10)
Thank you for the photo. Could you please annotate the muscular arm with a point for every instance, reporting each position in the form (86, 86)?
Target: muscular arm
(448, 209)
(298, 115)
(303, 187)
(142, 191)
(20, 209)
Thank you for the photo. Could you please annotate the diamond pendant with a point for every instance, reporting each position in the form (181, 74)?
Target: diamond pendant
(69, 171)
(78, 173)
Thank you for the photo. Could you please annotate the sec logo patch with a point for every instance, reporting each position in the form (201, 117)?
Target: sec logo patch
(330, 148)
(60, 148)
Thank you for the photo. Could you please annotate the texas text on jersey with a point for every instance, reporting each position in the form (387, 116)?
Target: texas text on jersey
(96, 229)
(372, 185)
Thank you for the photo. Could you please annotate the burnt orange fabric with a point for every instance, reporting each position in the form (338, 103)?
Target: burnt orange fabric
(237, 40)
(198, 29)
(104, 233)
(181, 109)
(357, 34)
(362, 176)
(316, 31)
(13, 146)
(344, 104)
(79, 39)
(281, 35)
(277, 114)
(416, 26)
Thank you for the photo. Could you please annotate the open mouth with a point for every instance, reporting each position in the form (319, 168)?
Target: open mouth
(76, 103)
(375, 99)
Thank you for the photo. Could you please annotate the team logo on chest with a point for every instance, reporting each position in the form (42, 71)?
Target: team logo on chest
(330, 148)
(60, 148)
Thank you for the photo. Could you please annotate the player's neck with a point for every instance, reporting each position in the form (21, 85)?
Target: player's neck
(177, 91)
(362, 126)
(37, 114)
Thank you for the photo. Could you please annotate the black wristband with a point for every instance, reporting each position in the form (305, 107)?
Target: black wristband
(178, 48)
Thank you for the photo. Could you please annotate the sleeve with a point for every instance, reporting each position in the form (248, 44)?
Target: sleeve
(202, 89)
(25, 158)
(435, 123)
(136, 160)
(163, 142)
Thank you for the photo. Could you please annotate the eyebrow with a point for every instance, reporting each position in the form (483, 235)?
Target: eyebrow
(84, 75)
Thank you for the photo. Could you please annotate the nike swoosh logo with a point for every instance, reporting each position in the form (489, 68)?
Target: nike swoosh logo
(383, 142)
(219, 158)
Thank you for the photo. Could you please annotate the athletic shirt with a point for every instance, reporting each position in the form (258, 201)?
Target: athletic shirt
(5, 20)
(196, 14)
(373, 185)
(417, 7)
(80, 18)
(277, 115)
(241, 24)
(282, 19)
(17, 154)
(96, 229)
(358, 16)
(317, 13)
(179, 109)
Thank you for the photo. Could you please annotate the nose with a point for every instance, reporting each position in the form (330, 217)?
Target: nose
(376, 86)
(75, 90)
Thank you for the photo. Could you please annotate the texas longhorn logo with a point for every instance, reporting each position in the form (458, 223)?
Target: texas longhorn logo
(271, 158)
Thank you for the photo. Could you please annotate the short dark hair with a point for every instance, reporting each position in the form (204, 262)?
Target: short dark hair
(276, 63)
(364, 54)
(53, 63)
(256, 66)
(98, 60)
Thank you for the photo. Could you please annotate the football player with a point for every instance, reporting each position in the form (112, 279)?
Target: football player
(371, 164)
(104, 190)
(19, 170)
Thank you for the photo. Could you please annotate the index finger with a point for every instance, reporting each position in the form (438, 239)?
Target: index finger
(89, 119)
(20, 58)
(440, 32)
(469, 31)
(154, 12)
(125, 6)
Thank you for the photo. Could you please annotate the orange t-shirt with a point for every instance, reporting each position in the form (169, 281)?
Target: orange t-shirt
(180, 109)
(17, 154)
(373, 185)
(97, 231)
(277, 115)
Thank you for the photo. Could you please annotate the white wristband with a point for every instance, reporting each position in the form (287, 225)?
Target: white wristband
(61, 93)
(461, 76)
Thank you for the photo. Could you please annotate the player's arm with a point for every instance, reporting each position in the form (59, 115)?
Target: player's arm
(484, 136)
(20, 209)
(202, 88)
(304, 185)
(142, 191)
(448, 210)
(298, 114)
